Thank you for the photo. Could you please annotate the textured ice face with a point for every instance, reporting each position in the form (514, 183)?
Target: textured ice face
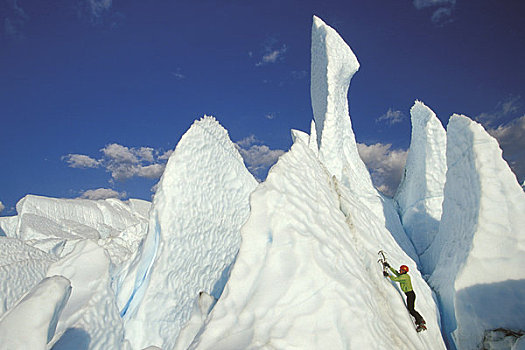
(201, 202)
(420, 195)
(307, 275)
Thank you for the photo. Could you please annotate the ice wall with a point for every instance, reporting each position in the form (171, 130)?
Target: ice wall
(307, 277)
(419, 197)
(200, 205)
(479, 251)
(31, 323)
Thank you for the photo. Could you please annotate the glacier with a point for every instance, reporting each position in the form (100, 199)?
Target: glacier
(220, 261)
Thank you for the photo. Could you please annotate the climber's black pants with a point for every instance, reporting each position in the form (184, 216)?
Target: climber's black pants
(411, 299)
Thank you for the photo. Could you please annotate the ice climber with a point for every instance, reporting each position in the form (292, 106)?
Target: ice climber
(406, 286)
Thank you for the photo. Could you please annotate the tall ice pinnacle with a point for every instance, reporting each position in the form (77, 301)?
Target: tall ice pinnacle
(333, 66)
(420, 194)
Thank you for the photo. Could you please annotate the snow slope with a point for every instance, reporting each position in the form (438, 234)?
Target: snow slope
(419, 196)
(479, 252)
(193, 237)
(31, 323)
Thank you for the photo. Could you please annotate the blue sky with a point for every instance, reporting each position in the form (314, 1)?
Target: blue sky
(95, 93)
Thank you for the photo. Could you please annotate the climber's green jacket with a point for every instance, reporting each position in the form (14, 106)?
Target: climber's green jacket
(403, 279)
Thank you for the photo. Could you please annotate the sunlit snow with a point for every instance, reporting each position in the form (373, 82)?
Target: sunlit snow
(219, 261)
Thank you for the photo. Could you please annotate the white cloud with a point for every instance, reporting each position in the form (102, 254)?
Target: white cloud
(165, 155)
(124, 162)
(152, 171)
(80, 161)
(2, 207)
(14, 20)
(272, 54)
(385, 165)
(102, 193)
(270, 116)
(258, 158)
(391, 117)
(119, 153)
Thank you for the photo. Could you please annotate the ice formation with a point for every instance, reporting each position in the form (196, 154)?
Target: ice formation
(86, 265)
(31, 323)
(479, 251)
(420, 195)
(193, 237)
(48, 223)
(307, 275)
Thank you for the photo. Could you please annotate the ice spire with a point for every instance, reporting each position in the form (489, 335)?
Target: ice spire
(201, 202)
(333, 66)
(420, 194)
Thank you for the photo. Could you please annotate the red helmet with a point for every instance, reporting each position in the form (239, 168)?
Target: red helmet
(403, 268)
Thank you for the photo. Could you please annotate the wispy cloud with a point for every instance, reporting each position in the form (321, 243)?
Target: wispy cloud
(443, 9)
(80, 161)
(102, 193)
(257, 156)
(508, 108)
(99, 12)
(2, 207)
(385, 164)
(178, 75)
(272, 53)
(14, 20)
(124, 162)
(391, 117)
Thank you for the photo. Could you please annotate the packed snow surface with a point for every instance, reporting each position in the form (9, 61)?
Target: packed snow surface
(479, 251)
(420, 194)
(31, 323)
(201, 202)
